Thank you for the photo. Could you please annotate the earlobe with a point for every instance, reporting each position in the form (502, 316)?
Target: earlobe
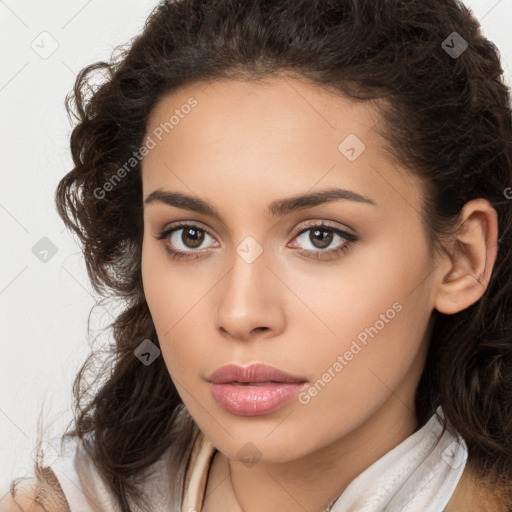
(472, 259)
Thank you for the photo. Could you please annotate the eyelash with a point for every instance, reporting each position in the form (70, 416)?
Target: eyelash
(348, 237)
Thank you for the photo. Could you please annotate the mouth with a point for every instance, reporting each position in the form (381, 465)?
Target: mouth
(253, 390)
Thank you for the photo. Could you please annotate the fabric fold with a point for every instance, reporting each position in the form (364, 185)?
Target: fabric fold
(420, 474)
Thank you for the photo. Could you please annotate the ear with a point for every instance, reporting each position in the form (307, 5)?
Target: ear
(471, 260)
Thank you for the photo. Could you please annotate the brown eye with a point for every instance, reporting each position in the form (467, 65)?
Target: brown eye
(320, 238)
(192, 237)
(184, 239)
(319, 241)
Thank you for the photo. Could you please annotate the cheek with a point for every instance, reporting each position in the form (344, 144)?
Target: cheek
(175, 296)
(365, 288)
(170, 288)
(371, 316)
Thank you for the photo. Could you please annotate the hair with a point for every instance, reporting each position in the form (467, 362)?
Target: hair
(445, 118)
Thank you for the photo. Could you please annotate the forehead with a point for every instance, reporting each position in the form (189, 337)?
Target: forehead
(275, 104)
(277, 133)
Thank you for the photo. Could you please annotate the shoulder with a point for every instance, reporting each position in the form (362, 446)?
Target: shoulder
(34, 494)
(58, 487)
(474, 495)
(22, 500)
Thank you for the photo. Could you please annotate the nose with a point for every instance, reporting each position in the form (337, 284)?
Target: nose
(249, 300)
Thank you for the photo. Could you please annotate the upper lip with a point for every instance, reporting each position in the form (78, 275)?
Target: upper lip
(252, 373)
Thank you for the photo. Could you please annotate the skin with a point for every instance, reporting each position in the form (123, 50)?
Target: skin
(471, 496)
(243, 146)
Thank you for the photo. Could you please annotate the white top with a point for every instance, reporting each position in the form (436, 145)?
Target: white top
(418, 475)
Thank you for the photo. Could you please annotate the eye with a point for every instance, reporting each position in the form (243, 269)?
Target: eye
(186, 240)
(186, 237)
(320, 236)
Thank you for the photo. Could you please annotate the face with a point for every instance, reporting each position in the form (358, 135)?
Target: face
(339, 293)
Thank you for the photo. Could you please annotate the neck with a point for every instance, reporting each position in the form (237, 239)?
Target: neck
(316, 480)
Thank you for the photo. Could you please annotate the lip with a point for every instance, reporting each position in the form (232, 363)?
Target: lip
(253, 373)
(253, 390)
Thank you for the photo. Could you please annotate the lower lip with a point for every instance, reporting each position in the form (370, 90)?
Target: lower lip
(253, 400)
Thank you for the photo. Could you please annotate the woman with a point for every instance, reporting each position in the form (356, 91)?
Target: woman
(304, 205)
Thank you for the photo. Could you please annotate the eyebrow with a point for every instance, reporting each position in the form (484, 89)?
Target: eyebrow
(279, 207)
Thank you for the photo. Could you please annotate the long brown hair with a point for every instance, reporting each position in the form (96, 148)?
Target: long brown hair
(446, 114)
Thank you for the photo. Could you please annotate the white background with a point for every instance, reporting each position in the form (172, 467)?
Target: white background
(44, 306)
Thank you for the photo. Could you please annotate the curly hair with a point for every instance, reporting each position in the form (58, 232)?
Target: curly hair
(446, 117)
